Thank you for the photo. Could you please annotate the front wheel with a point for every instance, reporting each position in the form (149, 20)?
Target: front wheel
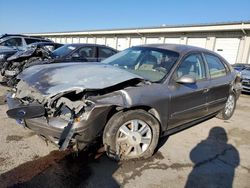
(131, 135)
(228, 111)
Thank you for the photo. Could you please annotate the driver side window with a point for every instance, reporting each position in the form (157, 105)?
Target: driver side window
(12, 42)
(86, 53)
(193, 66)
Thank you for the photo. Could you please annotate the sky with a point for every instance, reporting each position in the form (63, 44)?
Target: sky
(32, 16)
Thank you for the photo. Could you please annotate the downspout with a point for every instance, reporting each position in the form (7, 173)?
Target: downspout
(242, 28)
(138, 33)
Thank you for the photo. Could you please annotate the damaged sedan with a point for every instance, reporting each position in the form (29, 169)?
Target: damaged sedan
(130, 100)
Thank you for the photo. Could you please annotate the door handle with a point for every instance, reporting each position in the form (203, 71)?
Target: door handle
(206, 90)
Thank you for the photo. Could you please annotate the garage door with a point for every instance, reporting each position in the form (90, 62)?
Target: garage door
(153, 40)
(111, 42)
(100, 41)
(228, 48)
(69, 40)
(75, 40)
(58, 40)
(199, 42)
(122, 43)
(172, 40)
(135, 41)
(63, 40)
(53, 39)
(83, 40)
(90, 40)
(249, 58)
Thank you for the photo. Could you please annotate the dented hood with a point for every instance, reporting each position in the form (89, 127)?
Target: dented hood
(51, 79)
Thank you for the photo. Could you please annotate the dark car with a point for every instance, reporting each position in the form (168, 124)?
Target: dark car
(245, 75)
(240, 66)
(82, 53)
(130, 99)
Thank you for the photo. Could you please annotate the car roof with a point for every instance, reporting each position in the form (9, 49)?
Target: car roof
(180, 48)
(87, 44)
(45, 43)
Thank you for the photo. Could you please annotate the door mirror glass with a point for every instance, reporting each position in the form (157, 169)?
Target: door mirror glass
(186, 79)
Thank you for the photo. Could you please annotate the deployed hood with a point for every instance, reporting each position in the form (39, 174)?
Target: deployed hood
(22, 54)
(51, 79)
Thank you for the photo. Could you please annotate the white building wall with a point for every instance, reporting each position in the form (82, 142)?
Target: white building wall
(100, 40)
(232, 41)
(199, 42)
(111, 42)
(134, 41)
(83, 40)
(122, 43)
(172, 40)
(75, 40)
(91, 40)
(153, 40)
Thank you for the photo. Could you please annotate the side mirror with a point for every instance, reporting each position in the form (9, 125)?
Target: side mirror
(186, 79)
(75, 55)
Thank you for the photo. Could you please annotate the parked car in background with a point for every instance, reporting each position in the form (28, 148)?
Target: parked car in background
(240, 66)
(82, 53)
(245, 75)
(130, 99)
(11, 43)
(34, 53)
(40, 54)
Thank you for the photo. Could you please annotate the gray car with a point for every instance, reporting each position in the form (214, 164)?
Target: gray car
(245, 75)
(130, 99)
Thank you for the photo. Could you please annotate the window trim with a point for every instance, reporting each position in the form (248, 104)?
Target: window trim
(222, 62)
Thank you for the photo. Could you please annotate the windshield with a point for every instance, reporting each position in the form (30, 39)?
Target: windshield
(63, 51)
(150, 63)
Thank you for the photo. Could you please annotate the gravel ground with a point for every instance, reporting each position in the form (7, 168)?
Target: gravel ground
(214, 153)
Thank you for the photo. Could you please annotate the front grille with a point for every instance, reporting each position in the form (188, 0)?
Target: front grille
(246, 82)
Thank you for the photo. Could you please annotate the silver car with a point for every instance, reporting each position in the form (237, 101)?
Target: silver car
(245, 75)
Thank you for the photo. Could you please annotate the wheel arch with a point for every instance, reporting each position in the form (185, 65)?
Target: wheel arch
(150, 110)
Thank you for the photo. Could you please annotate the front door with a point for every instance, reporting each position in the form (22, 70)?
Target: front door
(188, 101)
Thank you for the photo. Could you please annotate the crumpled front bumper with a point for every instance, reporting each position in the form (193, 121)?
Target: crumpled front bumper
(57, 129)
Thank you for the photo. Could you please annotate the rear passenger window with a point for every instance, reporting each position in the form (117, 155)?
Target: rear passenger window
(215, 66)
(105, 52)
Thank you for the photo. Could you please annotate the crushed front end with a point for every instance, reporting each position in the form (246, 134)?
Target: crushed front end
(67, 119)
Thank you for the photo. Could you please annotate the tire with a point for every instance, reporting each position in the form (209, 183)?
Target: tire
(228, 111)
(114, 133)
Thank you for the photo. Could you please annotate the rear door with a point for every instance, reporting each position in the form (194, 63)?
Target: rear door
(188, 101)
(219, 85)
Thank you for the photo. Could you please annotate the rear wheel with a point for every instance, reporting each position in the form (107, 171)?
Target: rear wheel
(130, 135)
(228, 111)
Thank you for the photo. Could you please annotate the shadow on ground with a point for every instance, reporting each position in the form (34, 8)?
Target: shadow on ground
(214, 161)
(62, 169)
(91, 168)
(214, 165)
